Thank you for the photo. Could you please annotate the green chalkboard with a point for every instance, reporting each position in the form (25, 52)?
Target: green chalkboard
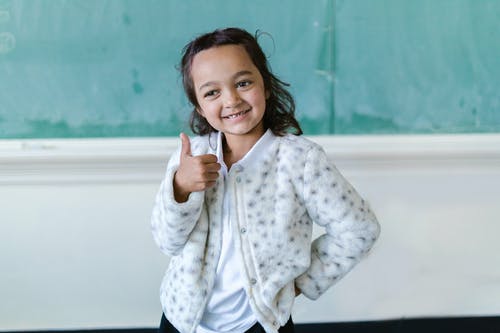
(417, 66)
(107, 68)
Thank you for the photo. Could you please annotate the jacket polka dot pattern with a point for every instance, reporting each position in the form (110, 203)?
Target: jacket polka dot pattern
(276, 200)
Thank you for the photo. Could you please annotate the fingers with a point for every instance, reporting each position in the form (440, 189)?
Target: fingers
(186, 150)
(208, 158)
(186, 145)
(195, 173)
(204, 182)
(212, 168)
(203, 175)
(206, 172)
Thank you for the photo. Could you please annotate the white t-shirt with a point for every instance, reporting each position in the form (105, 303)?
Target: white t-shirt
(228, 308)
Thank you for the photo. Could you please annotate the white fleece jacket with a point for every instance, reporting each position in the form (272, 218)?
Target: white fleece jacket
(276, 200)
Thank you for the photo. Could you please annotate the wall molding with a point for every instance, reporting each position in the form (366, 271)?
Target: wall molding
(66, 161)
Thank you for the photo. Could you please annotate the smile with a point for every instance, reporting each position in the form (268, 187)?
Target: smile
(236, 115)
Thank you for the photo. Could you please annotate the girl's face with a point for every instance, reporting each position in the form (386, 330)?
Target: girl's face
(230, 91)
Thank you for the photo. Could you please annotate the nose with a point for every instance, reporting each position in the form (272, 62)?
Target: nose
(231, 99)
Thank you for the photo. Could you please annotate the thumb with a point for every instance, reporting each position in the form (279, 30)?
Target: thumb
(186, 145)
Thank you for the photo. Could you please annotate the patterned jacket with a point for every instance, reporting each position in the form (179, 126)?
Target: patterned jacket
(278, 197)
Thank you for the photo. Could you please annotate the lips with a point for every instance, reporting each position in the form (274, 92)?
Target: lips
(236, 115)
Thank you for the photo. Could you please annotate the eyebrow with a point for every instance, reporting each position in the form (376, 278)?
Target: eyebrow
(235, 76)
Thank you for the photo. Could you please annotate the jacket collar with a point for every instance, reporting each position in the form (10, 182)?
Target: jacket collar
(258, 151)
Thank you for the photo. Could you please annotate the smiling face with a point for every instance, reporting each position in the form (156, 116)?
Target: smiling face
(229, 91)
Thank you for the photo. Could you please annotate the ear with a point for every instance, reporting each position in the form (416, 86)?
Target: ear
(268, 94)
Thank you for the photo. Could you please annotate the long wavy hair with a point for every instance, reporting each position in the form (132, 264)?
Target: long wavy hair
(279, 115)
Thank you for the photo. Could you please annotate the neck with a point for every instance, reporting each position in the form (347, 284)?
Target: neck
(237, 146)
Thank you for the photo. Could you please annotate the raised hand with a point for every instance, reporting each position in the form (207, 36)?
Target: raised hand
(195, 173)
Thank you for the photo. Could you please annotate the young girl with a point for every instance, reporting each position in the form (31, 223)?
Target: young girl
(236, 208)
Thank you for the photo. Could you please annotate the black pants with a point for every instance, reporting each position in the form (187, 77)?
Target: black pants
(166, 327)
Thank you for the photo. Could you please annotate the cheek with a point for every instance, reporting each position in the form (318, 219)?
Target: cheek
(257, 98)
(207, 110)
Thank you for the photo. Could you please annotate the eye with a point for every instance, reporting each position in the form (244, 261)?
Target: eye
(243, 84)
(210, 93)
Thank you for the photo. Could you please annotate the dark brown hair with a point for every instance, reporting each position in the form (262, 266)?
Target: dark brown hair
(279, 115)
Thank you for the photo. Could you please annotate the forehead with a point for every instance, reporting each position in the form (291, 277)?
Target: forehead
(219, 62)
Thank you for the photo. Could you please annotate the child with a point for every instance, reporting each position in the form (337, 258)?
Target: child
(236, 208)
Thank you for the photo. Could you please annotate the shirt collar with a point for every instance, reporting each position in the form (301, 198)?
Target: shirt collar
(257, 151)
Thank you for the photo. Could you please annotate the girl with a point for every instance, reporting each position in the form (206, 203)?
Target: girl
(236, 208)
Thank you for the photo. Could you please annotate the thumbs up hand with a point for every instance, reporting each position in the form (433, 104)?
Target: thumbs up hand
(195, 173)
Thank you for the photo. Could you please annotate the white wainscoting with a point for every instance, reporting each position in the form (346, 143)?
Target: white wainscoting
(76, 251)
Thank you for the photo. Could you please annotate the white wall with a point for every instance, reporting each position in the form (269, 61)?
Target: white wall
(76, 250)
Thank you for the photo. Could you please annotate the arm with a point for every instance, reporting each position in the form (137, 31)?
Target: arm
(180, 198)
(351, 227)
(171, 221)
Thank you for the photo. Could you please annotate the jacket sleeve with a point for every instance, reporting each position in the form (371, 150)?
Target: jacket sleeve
(172, 222)
(351, 227)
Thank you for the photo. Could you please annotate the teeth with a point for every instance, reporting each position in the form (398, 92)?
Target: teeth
(236, 115)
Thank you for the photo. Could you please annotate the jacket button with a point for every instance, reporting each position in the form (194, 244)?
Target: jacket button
(243, 230)
(253, 281)
(238, 179)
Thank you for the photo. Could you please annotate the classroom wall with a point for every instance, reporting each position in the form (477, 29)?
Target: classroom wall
(75, 246)
(76, 250)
